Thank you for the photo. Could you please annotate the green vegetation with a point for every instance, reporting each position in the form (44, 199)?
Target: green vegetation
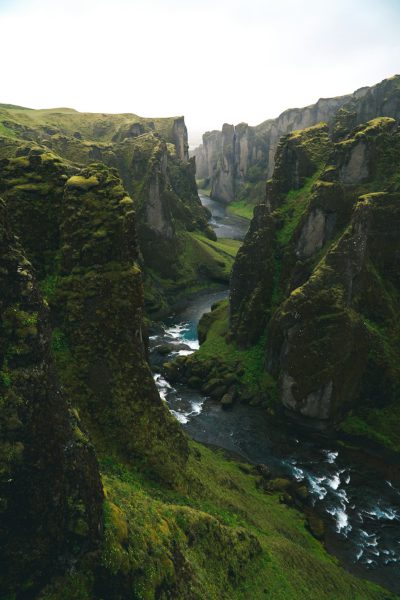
(326, 330)
(180, 521)
(6, 131)
(241, 208)
(217, 537)
(293, 208)
(90, 126)
(204, 264)
(48, 287)
(221, 366)
(148, 156)
(223, 246)
(379, 425)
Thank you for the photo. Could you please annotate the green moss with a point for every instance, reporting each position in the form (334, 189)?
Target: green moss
(377, 425)
(293, 208)
(223, 246)
(248, 363)
(82, 183)
(33, 188)
(48, 286)
(201, 263)
(6, 131)
(218, 537)
(241, 208)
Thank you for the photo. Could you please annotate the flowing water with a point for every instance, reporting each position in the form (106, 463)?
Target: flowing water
(361, 509)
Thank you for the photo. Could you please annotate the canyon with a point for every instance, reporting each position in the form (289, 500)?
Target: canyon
(110, 372)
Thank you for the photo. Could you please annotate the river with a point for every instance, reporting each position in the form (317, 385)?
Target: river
(360, 507)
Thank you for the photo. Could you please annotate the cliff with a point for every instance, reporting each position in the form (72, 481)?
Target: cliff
(325, 290)
(236, 161)
(78, 225)
(42, 125)
(50, 491)
(151, 157)
(101, 493)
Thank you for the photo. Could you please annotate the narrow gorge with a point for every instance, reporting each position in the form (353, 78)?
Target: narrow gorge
(199, 355)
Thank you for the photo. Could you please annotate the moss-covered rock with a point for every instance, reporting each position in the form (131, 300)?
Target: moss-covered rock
(236, 161)
(50, 490)
(327, 256)
(220, 537)
(152, 160)
(256, 271)
(32, 184)
(81, 235)
(100, 303)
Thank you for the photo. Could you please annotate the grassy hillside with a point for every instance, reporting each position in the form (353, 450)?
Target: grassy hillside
(218, 537)
(19, 121)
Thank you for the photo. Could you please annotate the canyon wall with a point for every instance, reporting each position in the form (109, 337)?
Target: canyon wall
(237, 161)
(325, 287)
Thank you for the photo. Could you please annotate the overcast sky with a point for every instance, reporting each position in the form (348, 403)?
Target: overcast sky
(213, 61)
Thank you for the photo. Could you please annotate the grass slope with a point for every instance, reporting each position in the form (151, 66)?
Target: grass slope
(218, 537)
(241, 208)
(91, 126)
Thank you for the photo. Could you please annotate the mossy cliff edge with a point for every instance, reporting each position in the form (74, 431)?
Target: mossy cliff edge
(50, 488)
(151, 158)
(235, 162)
(323, 297)
(101, 493)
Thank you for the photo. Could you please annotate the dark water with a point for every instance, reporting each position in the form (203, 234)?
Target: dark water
(224, 224)
(361, 509)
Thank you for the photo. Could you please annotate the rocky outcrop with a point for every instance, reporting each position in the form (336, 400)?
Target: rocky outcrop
(224, 177)
(252, 279)
(180, 138)
(324, 248)
(381, 100)
(151, 157)
(237, 174)
(101, 290)
(258, 261)
(319, 333)
(60, 124)
(88, 260)
(208, 154)
(50, 489)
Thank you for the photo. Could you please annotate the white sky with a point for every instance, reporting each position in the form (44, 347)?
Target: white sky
(213, 61)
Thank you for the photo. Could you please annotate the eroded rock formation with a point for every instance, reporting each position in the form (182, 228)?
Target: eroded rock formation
(50, 490)
(236, 161)
(325, 245)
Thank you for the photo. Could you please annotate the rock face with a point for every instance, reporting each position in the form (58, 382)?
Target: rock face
(50, 490)
(101, 288)
(320, 333)
(252, 278)
(325, 245)
(237, 160)
(180, 137)
(256, 266)
(89, 270)
(151, 157)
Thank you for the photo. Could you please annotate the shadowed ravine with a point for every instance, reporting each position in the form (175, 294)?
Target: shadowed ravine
(361, 508)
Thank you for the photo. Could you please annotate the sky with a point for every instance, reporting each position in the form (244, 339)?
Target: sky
(213, 61)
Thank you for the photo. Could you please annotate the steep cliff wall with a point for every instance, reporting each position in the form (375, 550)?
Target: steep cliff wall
(327, 290)
(241, 173)
(79, 228)
(151, 157)
(173, 523)
(50, 490)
